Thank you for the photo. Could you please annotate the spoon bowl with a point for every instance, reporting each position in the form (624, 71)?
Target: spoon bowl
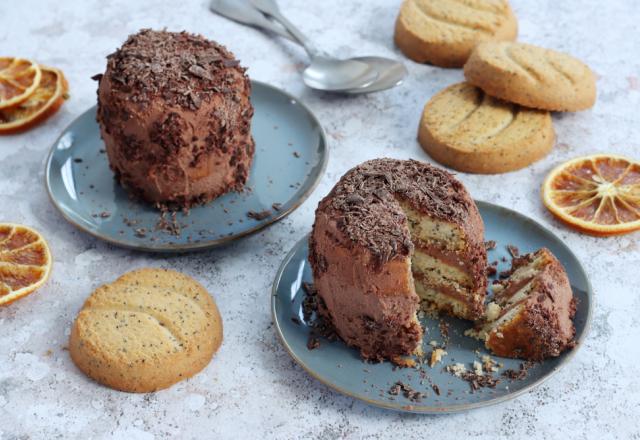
(334, 75)
(391, 73)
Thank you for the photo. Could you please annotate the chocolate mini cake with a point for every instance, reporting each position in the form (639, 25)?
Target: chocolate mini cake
(530, 315)
(390, 234)
(174, 113)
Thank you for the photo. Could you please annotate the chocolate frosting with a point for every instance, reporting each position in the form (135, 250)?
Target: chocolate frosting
(174, 112)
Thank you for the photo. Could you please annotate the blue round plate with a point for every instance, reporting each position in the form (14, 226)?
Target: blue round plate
(291, 155)
(341, 368)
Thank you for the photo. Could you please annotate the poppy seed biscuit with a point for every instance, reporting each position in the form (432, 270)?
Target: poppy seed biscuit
(444, 32)
(146, 331)
(531, 76)
(468, 130)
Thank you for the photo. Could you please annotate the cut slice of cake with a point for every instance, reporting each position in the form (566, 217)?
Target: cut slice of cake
(530, 315)
(390, 234)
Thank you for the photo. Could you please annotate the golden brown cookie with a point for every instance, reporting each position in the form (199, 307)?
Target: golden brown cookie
(468, 130)
(444, 32)
(146, 331)
(532, 76)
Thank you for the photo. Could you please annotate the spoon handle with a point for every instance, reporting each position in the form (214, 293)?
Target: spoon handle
(270, 8)
(243, 12)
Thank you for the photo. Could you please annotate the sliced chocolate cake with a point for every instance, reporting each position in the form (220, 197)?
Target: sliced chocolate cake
(530, 315)
(390, 233)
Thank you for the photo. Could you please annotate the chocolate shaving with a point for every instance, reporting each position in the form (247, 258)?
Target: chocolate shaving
(407, 391)
(477, 381)
(519, 374)
(259, 215)
(199, 71)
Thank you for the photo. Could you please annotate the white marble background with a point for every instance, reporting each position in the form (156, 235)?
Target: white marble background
(252, 389)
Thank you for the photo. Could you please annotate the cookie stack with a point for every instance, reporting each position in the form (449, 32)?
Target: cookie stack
(499, 119)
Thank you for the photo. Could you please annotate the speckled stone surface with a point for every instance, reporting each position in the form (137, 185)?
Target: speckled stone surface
(252, 389)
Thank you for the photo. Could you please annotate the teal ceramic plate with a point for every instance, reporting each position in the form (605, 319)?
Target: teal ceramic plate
(291, 155)
(340, 367)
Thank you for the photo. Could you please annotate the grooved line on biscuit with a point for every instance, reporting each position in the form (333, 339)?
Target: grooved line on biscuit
(479, 103)
(447, 21)
(528, 70)
(513, 113)
(479, 6)
(162, 322)
(555, 67)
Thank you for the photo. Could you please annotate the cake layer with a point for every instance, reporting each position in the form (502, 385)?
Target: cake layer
(439, 269)
(437, 302)
(443, 234)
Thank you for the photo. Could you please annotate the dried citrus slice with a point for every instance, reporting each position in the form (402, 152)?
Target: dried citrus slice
(597, 194)
(43, 102)
(18, 79)
(25, 262)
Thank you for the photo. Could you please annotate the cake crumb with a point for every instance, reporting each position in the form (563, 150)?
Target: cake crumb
(456, 369)
(493, 311)
(488, 364)
(513, 251)
(490, 245)
(477, 368)
(436, 356)
(405, 362)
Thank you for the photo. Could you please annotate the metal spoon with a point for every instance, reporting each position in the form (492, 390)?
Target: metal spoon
(390, 72)
(325, 72)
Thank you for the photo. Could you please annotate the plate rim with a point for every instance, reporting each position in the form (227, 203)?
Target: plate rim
(568, 357)
(192, 247)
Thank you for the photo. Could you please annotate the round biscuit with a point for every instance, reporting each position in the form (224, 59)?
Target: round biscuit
(470, 131)
(444, 32)
(146, 331)
(531, 76)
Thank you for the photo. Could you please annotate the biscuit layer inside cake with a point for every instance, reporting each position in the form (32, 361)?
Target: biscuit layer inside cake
(442, 272)
(508, 300)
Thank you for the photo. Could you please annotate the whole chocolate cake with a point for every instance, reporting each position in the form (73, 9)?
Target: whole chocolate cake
(175, 114)
(393, 233)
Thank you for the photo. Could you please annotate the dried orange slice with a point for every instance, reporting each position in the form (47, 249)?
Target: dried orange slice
(598, 194)
(18, 79)
(25, 262)
(42, 103)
